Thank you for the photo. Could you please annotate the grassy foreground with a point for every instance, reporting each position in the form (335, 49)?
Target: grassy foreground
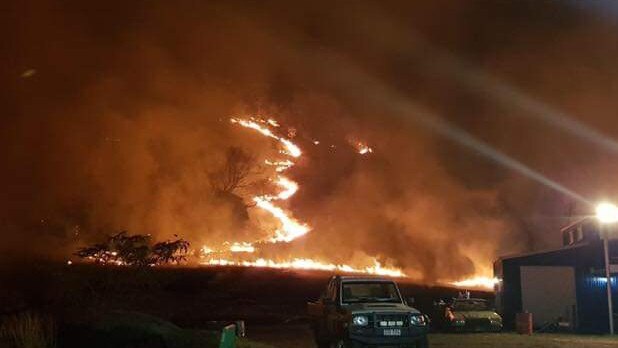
(511, 340)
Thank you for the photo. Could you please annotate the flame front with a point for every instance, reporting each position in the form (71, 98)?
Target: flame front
(477, 282)
(309, 264)
(290, 227)
(242, 248)
(262, 127)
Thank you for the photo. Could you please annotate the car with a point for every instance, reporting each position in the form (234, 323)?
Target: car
(365, 311)
(467, 315)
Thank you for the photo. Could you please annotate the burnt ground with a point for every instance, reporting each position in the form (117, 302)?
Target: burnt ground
(188, 297)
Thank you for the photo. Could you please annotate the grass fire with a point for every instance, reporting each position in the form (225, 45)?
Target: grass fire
(330, 174)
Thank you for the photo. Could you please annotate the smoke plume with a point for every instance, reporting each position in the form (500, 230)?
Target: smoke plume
(115, 115)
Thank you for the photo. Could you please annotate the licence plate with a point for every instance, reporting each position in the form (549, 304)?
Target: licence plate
(392, 332)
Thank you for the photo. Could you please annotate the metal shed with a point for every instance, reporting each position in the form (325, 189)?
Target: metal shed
(566, 284)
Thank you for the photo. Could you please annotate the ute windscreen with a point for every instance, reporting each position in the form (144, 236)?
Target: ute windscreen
(369, 292)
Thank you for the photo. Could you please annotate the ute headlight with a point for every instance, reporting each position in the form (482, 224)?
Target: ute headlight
(360, 320)
(418, 320)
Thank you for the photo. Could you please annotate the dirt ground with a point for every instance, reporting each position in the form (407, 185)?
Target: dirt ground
(300, 336)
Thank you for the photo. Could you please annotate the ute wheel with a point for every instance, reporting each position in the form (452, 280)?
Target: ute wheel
(422, 343)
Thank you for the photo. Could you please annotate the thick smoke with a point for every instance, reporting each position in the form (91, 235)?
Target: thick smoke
(115, 114)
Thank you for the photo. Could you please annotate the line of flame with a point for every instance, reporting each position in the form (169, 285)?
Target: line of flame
(290, 228)
(242, 248)
(291, 148)
(309, 264)
(477, 282)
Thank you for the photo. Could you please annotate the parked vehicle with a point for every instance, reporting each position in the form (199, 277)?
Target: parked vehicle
(466, 315)
(356, 312)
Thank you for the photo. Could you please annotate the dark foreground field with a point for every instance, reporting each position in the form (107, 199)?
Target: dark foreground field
(89, 303)
(188, 297)
(175, 307)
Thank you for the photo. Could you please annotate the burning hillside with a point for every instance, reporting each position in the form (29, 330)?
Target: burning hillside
(247, 253)
(289, 229)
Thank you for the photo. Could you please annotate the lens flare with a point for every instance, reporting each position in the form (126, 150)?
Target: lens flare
(607, 213)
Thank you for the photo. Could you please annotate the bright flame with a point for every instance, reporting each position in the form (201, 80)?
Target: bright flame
(272, 122)
(280, 166)
(363, 148)
(309, 264)
(477, 282)
(290, 147)
(242, 248)
(289, 186)
(290, 228)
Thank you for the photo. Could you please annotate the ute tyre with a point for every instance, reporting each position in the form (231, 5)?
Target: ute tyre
(422, 343)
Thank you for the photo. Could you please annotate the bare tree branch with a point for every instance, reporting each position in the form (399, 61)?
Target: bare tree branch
(236, 172)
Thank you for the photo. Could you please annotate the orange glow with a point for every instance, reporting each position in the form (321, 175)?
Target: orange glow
(363, 148)
(246, 254)
(290, 228)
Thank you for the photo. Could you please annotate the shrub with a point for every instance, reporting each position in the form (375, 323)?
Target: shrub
(29, 330)
(135, 250)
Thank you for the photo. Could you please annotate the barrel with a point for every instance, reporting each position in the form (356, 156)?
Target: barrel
(523, 323)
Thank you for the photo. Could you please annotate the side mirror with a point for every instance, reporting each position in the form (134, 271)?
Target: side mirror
(410, 300)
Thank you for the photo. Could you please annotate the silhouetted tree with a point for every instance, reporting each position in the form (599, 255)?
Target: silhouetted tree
(131, 249)
(170, 251)
(235, 174)
(135, 250)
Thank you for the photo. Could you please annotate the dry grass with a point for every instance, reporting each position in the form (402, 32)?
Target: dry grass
(29, 330)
